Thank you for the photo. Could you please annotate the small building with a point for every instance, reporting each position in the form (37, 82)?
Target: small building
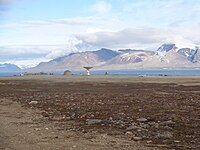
(67, 72)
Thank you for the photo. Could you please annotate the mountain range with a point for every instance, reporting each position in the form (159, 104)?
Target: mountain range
(166, 56)
(9, 68)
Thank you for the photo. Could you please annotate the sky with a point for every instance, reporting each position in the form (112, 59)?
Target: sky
(32, 31)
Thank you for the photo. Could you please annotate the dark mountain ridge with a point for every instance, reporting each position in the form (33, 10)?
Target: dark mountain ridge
(7, 67)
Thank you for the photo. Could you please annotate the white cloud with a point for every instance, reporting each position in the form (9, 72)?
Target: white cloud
(27, 63)
(101, 7)
(142, 38)
(31, 55)
(57, 31)
(95, 30)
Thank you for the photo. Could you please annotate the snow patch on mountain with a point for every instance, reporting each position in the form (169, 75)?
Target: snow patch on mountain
(163, 49)
(191, 54)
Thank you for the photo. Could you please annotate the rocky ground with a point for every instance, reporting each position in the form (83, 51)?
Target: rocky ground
(161, 113)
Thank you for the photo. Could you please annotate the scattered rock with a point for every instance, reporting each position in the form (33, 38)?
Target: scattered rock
(166, 123)
(137, 138)
(177, 141)
(45, 114)
(150, 141)
(56, 137)
(37, 129)
(142, 119)
(33, 102)
(165, 134)
(133, 127)
(57, 118)
(72, 115)
(94, 121)
(128, 133)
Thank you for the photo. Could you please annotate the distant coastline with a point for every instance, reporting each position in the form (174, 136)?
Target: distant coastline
(134, 72)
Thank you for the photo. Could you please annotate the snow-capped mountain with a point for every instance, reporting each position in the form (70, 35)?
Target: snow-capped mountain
(192, 55)
(130, 56)
(9, 68)
(163, 49)
(166, 56)
(170, 53)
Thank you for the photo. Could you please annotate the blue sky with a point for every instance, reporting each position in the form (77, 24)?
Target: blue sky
(45, 29)
(153, 12)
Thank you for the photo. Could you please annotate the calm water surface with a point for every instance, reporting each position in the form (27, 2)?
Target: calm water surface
(191, 72)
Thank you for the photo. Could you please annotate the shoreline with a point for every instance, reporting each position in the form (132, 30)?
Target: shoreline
(125, 72)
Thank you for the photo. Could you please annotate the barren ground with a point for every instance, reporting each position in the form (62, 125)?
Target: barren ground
(99, 112)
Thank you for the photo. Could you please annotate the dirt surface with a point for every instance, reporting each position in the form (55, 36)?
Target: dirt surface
(99, 112)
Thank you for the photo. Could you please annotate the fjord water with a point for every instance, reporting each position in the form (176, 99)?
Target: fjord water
(8, 74)
(188, 72)
(192, 72)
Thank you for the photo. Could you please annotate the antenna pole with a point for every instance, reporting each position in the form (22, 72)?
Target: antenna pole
(88, 70)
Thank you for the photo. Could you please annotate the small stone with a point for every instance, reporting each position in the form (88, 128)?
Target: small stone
(165, 134)
(33, 102)
(73, 115)
(37, 129)
(68, 118)
(45, 114)
(177, 141)
(133, 127)
(169, 122)
(150, 141)
(94, 121)
(128, 133)
(56, 137)
(139, 130)
(137, 138)
(57, 118)
(142, 120)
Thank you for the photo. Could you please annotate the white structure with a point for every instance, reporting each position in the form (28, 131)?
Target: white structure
(88, 70)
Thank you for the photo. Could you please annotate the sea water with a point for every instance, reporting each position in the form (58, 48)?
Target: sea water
(192, 72)
(188, 72)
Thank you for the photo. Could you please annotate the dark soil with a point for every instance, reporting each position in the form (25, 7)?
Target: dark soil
(170, 112)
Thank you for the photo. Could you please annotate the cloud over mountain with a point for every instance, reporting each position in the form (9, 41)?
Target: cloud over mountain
(145, 38)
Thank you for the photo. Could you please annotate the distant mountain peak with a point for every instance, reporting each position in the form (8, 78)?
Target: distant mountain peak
(106, 54)
(104, 49)
(167, 47)
(191, 54)
(7, 67)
